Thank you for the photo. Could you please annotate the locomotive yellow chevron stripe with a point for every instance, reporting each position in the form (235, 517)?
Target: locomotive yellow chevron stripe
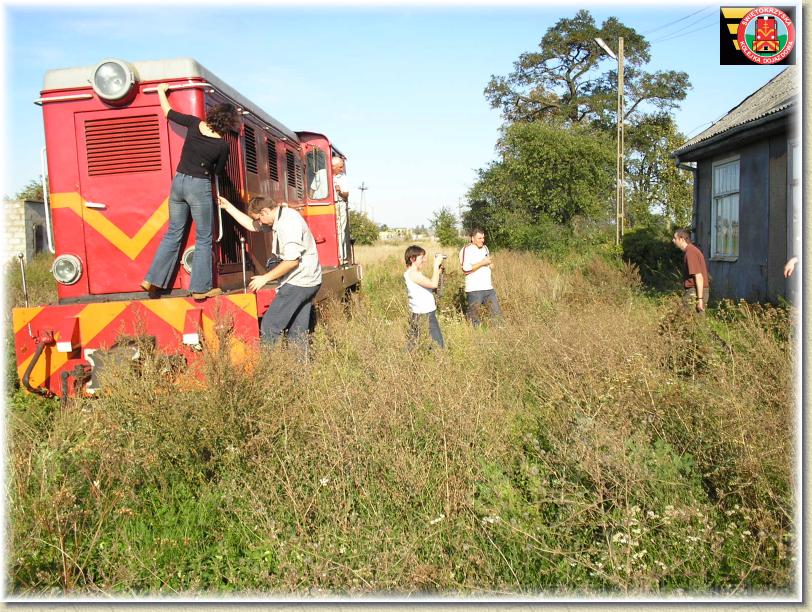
(94, 319)
(23, 316)
(131, 246)
(173, 311)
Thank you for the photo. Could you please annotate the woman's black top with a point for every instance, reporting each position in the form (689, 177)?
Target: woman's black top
(201, 156)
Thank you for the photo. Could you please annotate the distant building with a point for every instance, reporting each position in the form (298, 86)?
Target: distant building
(396, 234)
(24, 228)
(747, 192)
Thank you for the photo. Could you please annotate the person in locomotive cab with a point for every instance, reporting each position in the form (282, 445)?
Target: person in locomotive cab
(299, 272)
(203, 156)
(342, 192)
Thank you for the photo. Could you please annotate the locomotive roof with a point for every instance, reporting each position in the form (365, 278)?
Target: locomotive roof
(163, 70)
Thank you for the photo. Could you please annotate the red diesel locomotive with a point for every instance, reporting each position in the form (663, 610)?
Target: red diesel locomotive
(111, 156)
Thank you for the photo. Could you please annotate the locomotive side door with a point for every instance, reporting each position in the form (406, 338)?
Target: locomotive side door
(125, 175)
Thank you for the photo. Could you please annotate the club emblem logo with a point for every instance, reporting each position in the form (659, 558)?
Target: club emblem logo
(766, 35)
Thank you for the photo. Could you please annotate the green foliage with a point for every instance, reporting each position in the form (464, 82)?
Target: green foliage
(659, 192)
(544, 175)
(652, 251)
(363, 229)
(570, 82)
(444, 224)
(31, 191)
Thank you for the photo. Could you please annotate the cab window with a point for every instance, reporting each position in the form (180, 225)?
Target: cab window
(317, 178)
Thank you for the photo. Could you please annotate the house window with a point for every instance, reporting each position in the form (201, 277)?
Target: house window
(725, 210)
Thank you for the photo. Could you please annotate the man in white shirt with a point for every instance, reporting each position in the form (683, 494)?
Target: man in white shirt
(476, 263)
(342, 195)
(318, 186)
(299, 271)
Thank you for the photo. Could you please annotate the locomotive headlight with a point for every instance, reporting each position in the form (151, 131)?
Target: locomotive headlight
(187, 258)
(113, 79)
(67, 269)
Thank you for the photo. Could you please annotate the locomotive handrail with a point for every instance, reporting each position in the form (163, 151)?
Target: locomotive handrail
(41, 101)
(180, 86)
(46, 204)
(219, 209)
(204, 84)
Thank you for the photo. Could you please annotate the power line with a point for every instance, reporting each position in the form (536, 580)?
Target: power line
(675, 35)
(665, 25)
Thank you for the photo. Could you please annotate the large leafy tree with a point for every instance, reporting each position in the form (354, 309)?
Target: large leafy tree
(544, 176)
(571, 79)
(659, 192)
(569, 84)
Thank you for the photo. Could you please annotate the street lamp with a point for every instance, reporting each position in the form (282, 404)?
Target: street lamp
(620, 171)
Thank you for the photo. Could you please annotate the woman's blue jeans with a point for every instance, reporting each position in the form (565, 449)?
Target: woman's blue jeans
(189, 194)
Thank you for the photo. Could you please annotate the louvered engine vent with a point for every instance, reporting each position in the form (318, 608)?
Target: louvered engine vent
(273, 162)
(123, 145)
(299, 180)
(291, 163)
(250, 150)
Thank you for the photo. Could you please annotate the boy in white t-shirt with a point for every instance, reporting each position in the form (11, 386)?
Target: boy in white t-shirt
(476, 263)
(420, 291)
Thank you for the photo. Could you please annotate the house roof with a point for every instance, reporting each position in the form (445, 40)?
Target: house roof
(775, 98)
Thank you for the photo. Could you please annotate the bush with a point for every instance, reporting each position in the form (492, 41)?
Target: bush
(658, 260)
(444, 224)
(363, 230)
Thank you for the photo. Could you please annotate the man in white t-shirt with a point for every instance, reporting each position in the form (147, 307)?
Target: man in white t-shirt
(342, 195)
(476, 263)
(299, 271)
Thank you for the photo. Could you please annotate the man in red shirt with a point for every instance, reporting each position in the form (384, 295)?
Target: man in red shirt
(696, 282)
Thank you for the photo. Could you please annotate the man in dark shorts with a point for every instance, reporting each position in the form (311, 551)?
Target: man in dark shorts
(696, 281)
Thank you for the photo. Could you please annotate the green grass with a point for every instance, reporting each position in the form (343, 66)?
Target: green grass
(601, 443)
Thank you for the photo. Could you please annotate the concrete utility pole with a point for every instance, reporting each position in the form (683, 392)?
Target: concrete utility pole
(461, 230)
(620, 169)
(362, 204)
(621, 144)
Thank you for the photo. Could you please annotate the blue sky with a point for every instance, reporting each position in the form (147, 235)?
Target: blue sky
(399, 89)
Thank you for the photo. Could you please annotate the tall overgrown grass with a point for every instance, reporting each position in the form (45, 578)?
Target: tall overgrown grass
(600, 443)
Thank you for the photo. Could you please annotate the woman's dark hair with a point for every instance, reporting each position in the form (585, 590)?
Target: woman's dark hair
(412, 253)
(222, 118)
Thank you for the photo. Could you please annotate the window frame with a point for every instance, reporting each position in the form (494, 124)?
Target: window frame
(327, 199)
(715, 255)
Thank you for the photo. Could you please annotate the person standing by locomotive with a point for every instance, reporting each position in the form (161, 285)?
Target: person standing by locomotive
(419, 290)
(299, 272)
(476, 263)
(203, 157)
(342, 192)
